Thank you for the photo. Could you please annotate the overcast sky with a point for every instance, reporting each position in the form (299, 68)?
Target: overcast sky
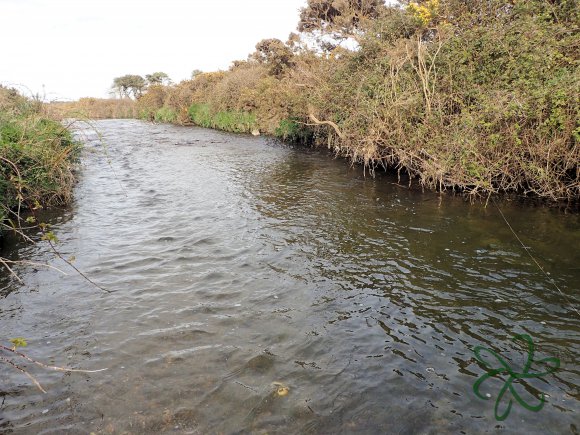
(76, 47)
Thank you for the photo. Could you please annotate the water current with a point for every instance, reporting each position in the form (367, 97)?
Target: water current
(255, 287)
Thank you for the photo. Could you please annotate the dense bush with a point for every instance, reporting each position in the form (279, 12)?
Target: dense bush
(478, 96)
(36, 155)
(494, 107)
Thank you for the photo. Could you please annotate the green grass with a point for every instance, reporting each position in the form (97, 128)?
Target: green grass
(165, 114)
(236, 122)
(293, 131)
(36, 156)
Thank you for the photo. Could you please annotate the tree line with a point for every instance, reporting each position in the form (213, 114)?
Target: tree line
(133, 85)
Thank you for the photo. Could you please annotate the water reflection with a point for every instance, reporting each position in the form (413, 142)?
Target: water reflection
(236, 264)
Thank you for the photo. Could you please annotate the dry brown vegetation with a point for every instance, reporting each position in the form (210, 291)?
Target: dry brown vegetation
(479, 97)
(94, 108)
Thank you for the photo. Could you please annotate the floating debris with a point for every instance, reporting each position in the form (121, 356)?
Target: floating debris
(281, 389)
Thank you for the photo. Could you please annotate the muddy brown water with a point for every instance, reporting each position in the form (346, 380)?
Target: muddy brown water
(238, 266)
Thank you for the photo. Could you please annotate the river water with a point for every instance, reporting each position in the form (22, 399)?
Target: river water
(253, 287)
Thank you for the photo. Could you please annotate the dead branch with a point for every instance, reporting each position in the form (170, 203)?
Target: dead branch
(45, 366)
(318, 122)
(32, 378)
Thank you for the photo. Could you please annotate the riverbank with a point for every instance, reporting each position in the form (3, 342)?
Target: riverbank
(37, 155)
(456, 97)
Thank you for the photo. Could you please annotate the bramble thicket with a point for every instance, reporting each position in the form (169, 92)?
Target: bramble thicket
(478, 97)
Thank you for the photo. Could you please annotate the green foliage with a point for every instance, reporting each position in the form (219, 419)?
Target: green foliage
(488, 106)
(157, 78)
(234, 121)
(18, 342)
(49, 236)
(200, 115)
(478, 96)
(36, 155)
(165, 114)
(129, 85)
(293, 131)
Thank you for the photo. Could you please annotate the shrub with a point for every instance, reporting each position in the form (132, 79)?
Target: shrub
(36, 155)
(476, 96)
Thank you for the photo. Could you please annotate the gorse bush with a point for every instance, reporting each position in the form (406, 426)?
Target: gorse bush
(493, 108)
(479, 96)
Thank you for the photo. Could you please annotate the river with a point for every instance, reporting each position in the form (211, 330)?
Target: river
(255, 287)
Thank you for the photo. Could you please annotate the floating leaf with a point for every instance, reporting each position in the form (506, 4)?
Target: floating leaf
(281, 389)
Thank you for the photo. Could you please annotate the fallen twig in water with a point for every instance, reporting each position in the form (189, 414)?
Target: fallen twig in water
(45, 366)
(31, 263)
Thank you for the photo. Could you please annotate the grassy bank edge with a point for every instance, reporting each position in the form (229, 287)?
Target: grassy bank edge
(37, 159)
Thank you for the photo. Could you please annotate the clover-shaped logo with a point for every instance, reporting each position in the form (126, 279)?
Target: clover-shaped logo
(505, 369)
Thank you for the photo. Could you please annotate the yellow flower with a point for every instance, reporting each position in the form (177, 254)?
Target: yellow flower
(426, 12)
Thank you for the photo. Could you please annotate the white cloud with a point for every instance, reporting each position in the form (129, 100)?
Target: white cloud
(76, 47)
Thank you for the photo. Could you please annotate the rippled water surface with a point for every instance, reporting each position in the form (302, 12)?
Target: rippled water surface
(258, 288)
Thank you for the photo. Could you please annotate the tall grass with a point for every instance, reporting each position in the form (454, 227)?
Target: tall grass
(36, 156)
(233, 121)
(165, 114)
(94, 108)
